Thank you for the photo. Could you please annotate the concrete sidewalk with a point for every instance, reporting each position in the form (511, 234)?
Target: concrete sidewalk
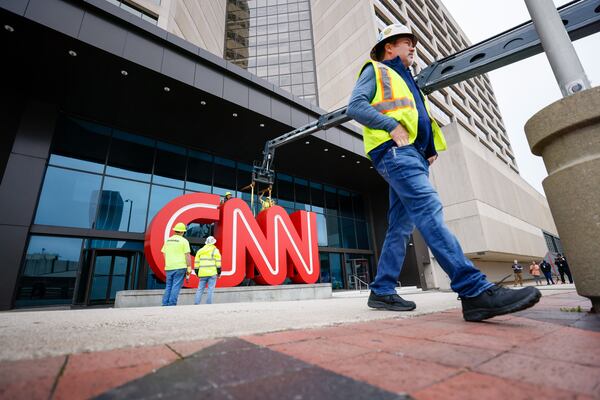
(549, 351)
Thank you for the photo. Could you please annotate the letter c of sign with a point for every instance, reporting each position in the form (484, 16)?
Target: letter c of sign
(201, 208)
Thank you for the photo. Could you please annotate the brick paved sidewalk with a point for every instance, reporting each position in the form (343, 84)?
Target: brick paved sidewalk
(550, 351)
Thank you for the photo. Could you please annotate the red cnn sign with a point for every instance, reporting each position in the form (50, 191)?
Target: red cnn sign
(267, 249)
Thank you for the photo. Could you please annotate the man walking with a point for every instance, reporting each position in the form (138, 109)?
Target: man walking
(178, 264)
(208, 262)
(518, 271)
(402, 140)
(547, 271)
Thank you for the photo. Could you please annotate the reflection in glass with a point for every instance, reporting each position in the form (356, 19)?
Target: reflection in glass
(99, 285)
(331, 200)
(48, 277)
(333, 231)
(285, 192)
(79, 144)
(322, 230)
(362, 235)
(68, 198)
(199, 172)
(122, 205)
(345, 204)
(224, 176)
(130, 156)
(335, 266)
(317, 197)
(325, 270)
(169, 166)
(348, 233)
(159, 197)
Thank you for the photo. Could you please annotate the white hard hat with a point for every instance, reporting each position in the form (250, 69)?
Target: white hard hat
(210, 240)
(388, 32)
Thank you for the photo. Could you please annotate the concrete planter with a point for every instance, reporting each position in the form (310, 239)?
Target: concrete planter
(567, 136)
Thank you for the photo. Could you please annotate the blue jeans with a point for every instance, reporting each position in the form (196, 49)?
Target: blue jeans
(173, 286)
(414, 201)
(204, 280)
(548, 276)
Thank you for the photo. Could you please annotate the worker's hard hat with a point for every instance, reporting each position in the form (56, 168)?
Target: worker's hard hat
(210, 240)
(388, 32)
(180, 227)
(227, 193)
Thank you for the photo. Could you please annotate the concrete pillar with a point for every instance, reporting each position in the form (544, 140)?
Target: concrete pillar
(567, 136)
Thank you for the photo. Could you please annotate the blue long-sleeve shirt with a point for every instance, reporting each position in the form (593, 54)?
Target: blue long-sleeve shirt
(360, 109)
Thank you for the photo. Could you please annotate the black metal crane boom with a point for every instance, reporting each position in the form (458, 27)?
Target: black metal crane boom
(580, 17)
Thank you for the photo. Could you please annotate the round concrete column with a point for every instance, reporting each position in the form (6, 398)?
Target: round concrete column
(567, 136)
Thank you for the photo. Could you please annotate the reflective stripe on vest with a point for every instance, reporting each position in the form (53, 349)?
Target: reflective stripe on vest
(394, 99)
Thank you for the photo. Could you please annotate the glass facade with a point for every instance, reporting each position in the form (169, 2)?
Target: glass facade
(104, 179)
(273, 39)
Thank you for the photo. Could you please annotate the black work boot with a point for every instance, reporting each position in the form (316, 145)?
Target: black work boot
(391, 302)
(498, 300)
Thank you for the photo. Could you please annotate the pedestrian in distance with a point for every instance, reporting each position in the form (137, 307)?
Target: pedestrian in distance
(178, 264)
(402, 140)
(534, 270)
(518, 271)
(208, 263)
(547, 271)
(563, 268)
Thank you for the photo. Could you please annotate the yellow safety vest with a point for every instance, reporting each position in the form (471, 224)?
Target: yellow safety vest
(393, 98)
(207, 260)
(175, 249)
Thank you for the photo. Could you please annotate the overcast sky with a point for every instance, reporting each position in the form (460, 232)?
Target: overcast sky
(525, 87)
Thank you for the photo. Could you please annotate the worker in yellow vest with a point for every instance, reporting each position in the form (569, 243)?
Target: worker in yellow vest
(208, 263)
(402, 139)
(178, 264)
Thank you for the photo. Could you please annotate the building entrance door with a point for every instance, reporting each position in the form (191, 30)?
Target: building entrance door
(109, 272)
(357, 273)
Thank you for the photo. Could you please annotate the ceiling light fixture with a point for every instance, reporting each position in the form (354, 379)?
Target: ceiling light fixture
(72, 53)
(325, 149)
(167, 89)
(262, 125)
(9, 28)
(343, 156)
(358, 162)
(234, 115)
(202, 103)
(307, 142)
(124, 73)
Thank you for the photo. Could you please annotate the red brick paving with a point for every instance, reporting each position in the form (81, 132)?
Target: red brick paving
(430, 357)
(29, 379)
(90, 374)
(474, 386)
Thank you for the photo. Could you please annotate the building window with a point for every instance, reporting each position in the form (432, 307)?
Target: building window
(273, 41)
(49, 271)
(137, 10)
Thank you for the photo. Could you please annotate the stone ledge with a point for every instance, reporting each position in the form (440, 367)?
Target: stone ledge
(238, 294)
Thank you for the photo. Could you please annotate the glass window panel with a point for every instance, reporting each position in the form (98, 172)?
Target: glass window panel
(306, 55)
(284, 58)
(362, 235)
(200, 170)
(345, 204)
(49, 271)
(284, 69)
(224, 176)
(159, 197)
(348, 233)
(325, 270)
(331, 200)
(298, 90)
(244, 178)
(317, 197)
(295, 46)
(68, 198)
(302, 194)
(169, 167)
(295, 57)
(130, 156)
(307, 77)
(321, 230)
(305, 25)
(296, 79)
(359, 206)
(305, 35)
(122, 205)
(294, 36)
(285, 80)
(335, 267)
(307, 66)
(285, 191)
(80, 144)
(333, 231)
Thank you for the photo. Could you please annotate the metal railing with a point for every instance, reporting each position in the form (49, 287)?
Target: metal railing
(359, 283)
